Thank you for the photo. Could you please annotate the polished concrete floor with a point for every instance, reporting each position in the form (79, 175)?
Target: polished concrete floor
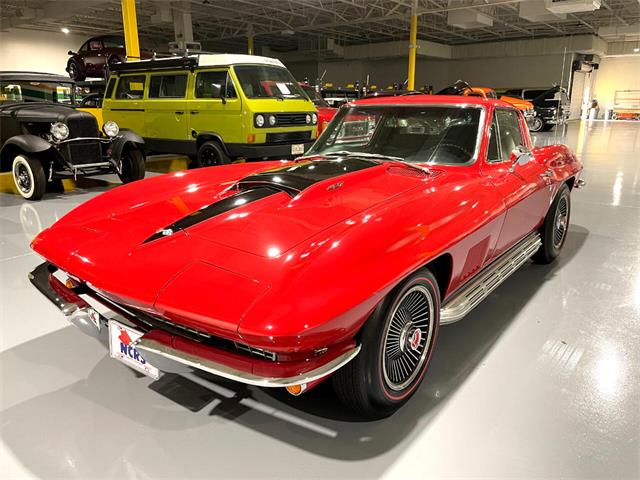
(540, 381)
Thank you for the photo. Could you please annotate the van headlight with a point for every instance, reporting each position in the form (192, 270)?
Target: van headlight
(59, 131)
(314, 118)
(272, 120)
(110, 128)
(259, 119)
(308, 119)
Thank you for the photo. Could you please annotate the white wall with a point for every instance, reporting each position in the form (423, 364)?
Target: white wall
(616, 73)
(33, 50)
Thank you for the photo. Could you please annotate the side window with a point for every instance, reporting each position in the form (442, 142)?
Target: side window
(110, 87)
(130, 88)
(211, 84)
(510, 134)
(167, 86)
(95, 45)
(493, 152)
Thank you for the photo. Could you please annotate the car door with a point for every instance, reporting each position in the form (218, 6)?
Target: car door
(208, 112)
(126, 108)
(524, 187)
(165, 118)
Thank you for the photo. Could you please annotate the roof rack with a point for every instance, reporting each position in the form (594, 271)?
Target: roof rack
(170, 63)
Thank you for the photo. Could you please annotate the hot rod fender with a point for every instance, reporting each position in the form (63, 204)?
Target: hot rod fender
(26, 143)
(125, 137)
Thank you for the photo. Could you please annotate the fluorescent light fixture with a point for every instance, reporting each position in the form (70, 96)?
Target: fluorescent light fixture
(64, 30)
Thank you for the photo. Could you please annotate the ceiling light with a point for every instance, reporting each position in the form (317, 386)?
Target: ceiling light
(64, 30)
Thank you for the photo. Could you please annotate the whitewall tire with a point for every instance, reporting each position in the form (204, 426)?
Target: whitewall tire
(28, 177)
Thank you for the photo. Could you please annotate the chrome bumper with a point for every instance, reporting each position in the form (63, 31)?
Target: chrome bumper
(166, 358)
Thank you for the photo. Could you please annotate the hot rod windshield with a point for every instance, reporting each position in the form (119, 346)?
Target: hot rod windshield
(446, 135)
(18, 91)
(264, 81)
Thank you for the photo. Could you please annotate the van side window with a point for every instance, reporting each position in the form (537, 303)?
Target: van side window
(167, 86)
(211, 84)
(110, 86)
(130, 88)
(510, 134)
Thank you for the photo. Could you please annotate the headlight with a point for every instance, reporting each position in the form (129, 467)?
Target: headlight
(314, 118)
(110, 128)
(308, 119)
(272, 120)
(259, 120)
(59, 131)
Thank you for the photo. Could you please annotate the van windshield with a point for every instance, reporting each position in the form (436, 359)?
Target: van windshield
(264, 81)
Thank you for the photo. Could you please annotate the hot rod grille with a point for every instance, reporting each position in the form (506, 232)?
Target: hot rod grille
(82, 153)
(288, 137)
(286, 119)
(82, 126)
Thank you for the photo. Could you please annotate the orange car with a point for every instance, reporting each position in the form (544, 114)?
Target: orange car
(523, 105)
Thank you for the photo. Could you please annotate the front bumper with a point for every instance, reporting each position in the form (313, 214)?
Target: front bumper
(277, 151)
(174, 353)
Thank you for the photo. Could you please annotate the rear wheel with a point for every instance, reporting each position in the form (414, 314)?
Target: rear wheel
(211, 154)
(29, 177)
(397, 343)
(132, 165)
(555, 227)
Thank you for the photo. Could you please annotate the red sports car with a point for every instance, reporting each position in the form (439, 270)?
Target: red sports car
(404, 215)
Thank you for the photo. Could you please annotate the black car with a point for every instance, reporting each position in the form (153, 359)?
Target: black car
(551, 106)
(44, 138)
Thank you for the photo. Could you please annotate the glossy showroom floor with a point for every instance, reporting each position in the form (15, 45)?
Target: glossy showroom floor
(541, 381)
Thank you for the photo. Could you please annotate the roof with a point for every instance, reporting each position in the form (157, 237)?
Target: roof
(435, 99)
(195, 61)
(43, 77)
(213, 60)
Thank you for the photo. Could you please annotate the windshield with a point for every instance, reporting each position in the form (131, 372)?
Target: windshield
(314, 96)
(445, 135)
(12, 91)
(264, 81)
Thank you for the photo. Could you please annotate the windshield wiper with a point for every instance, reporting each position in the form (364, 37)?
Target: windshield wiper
(377, 156)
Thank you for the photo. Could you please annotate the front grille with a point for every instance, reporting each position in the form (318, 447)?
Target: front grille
(84, 152)
(291, 119)
(82, 126)
(288, 137)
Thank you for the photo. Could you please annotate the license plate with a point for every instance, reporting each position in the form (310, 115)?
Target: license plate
(297, 149)
(121, 338)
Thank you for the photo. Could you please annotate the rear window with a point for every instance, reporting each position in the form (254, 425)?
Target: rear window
(167, 86)
(131, 88)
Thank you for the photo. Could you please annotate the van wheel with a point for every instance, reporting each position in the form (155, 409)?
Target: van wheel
(29, 178)
(211, 154)
(132, 165)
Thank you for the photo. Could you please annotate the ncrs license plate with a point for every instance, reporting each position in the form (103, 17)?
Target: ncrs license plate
(297, 149)
(121, 347)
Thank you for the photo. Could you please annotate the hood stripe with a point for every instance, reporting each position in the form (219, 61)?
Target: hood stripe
(209, 211)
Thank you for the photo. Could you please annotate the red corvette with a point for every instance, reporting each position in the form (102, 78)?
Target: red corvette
(405, 214)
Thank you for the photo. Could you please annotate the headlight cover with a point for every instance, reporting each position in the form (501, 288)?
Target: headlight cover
(59, 131)
(110, 128)
(259, 119)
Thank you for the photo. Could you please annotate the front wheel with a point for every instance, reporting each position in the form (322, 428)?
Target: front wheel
(75, 71)
(536, 124)
(132, 165)
(29, 177)
(397, 344)
(555, 227)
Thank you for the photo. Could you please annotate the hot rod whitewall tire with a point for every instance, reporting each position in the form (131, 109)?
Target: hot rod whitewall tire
(28, 177)
(132, 165)
(397, 344)
(555, 227)
(537, 124)
(211, 154)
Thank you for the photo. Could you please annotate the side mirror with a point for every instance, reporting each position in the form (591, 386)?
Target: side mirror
(71, 52)
(519, 156)
(217, 91)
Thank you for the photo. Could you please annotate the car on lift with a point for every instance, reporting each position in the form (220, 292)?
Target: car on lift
(342, 263)
(97, 56)
(551, 106)
(45, 138)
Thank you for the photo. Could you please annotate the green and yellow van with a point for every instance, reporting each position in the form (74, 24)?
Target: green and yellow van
(213, 108)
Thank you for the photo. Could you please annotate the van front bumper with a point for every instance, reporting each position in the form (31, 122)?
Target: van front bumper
(264, 150)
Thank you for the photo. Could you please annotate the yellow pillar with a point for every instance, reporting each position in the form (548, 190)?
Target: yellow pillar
(130, 23)
(250, 41)
(413, 45)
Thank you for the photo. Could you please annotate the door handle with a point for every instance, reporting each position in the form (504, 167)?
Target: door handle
(194, 112)
(547, 174)
(179, 113)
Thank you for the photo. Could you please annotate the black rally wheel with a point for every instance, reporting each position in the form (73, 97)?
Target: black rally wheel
(29, 177)
(536, 124)
(555, 227)
(211, 154)
(397, 344)
(132, 165)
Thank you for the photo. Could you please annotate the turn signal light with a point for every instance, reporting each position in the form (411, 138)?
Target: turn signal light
(251, 138)
(297, 389)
